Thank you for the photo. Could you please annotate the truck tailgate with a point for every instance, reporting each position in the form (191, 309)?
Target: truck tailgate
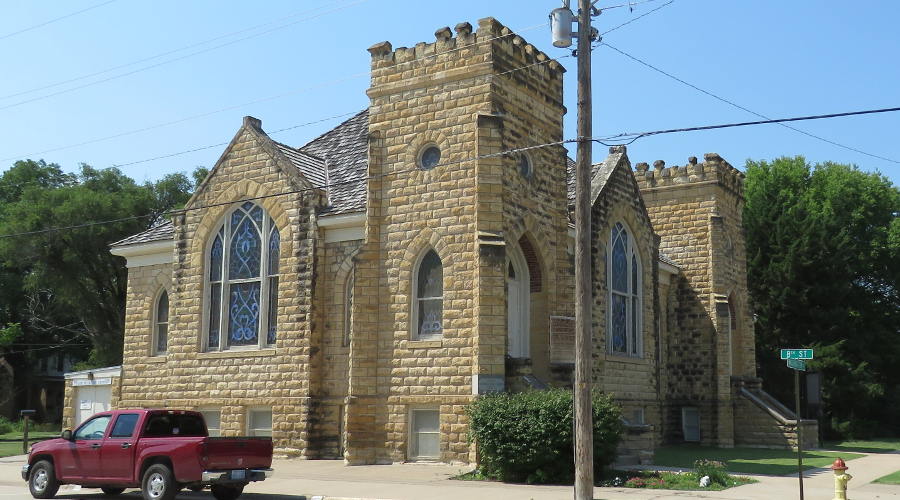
(223, 453)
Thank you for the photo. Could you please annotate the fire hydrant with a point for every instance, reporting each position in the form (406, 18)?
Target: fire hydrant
(840, 479)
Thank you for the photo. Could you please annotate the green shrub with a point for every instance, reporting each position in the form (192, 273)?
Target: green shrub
(5, 426)
(528, 436)
(715, 471)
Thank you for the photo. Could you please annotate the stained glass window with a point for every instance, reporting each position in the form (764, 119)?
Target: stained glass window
(430, 296)
(162, 323)
(624, 294)
(430, 157)
(243, 280)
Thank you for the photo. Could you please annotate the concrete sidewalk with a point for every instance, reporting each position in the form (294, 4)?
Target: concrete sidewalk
(331, 480)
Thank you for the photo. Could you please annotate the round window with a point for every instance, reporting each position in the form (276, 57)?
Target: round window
(429, 157)
(525, 167)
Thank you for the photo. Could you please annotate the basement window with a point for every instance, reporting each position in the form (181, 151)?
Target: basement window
(425, 435)
(690, 424)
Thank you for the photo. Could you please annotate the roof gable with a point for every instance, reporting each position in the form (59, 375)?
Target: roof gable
(345, 150)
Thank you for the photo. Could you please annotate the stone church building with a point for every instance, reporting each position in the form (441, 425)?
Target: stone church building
(349, 297)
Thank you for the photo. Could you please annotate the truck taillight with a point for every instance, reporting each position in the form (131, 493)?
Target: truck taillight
(201, 452)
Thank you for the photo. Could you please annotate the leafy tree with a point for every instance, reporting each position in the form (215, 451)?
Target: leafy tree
(64, 285)
(823, 244)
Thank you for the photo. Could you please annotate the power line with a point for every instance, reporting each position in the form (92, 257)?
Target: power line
(60, 18)
(208, 49)
(670, 2)
(161, 54)
(285, 94)
(296, 191)
(630, 137)
(626, 138)
(743, 108)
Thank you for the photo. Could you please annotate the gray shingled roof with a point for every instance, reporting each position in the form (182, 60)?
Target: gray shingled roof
(161, 232)
(312, 167)
(668, 260)
(345, 150)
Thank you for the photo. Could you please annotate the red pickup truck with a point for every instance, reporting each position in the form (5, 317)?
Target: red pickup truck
(158, 451)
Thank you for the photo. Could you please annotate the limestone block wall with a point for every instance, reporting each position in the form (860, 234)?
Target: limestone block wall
(448, 93)
(756, 428)
(233, 381)
(696, 210)
(332, 359)
(528, 99)
(632, 380)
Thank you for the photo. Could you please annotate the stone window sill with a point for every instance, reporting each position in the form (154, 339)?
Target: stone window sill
(622, 358)
(160, 358)
(421, 344)
(262, 353)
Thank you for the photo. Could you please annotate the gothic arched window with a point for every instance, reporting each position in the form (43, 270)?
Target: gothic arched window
(161, 324)
(429, 297)
(243, 281)
(624, 333)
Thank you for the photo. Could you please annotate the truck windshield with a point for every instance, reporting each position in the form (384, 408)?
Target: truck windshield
(173, 424)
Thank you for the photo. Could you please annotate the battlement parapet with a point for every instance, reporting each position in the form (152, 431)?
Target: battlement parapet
(466, 43)
(713, 169)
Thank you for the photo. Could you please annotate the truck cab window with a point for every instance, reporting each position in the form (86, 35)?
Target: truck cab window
(93, 429)
(124, 426)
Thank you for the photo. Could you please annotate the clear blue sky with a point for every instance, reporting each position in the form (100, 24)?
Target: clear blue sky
(778, 58)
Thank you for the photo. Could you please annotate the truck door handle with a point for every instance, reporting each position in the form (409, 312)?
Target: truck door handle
(125, 446)
(95, 446)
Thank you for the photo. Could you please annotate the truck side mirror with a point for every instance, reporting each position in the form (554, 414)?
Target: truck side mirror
(66, 434)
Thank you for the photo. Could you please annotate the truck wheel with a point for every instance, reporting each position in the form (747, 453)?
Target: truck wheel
(221, 492)
(159, 483)
(109, 490)
(42, 480)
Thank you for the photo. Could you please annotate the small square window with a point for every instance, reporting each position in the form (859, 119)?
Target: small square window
(259, 423)
(213, 420)
(426, 438)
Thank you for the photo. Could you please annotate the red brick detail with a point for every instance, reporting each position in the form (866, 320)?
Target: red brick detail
(534, 267)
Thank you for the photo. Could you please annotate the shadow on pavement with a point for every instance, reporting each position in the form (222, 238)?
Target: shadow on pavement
(186, 495)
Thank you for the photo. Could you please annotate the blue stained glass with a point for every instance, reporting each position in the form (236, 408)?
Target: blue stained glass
(216, 254)
(618, 324)
(245, 252)
(273, 310)
(430, 157)
(256, 213)
(215, 302)
(243, 314)
(274, 249)
(619, 265)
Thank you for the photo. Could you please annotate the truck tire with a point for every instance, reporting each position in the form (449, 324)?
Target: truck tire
(221, 492)
(159, 483)
(111, 491)
(42, 480)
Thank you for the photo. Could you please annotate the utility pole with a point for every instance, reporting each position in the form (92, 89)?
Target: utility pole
(584, 435)
(584, 429)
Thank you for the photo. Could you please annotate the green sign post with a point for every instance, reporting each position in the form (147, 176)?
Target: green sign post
(795, 361)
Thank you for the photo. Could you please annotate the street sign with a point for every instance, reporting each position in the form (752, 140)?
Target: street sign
(796, 354)
(797, 364)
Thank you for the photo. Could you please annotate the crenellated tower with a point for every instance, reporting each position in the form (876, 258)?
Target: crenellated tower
(696, 210)
(440, 187)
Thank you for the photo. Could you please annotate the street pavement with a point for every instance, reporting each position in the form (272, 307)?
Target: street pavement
(332, 480)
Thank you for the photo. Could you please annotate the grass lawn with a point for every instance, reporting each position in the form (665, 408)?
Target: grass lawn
(885, 445)
(10, 449)
(31, 435)
(889, 479)
(747, 460)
